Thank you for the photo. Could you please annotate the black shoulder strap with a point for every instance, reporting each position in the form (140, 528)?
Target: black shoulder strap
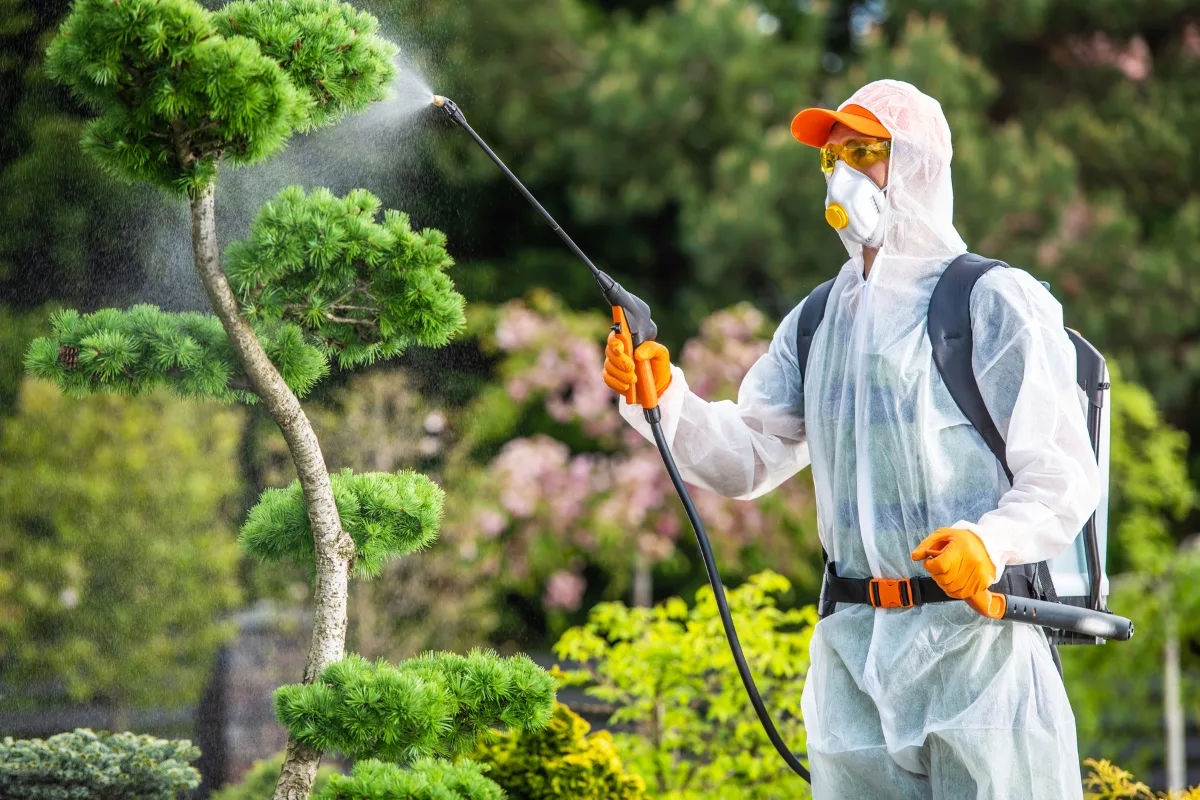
(810, 319)
(950, 335)
(806, 328)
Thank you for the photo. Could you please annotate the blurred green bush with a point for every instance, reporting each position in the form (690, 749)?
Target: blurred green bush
(118, 559)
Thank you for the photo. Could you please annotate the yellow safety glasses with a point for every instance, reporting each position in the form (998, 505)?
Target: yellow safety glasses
(858, 153)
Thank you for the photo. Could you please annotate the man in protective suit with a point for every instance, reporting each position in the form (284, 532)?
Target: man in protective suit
(932, 701)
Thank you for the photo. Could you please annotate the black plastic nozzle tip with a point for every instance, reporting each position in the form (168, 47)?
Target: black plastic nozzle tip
(450, 107)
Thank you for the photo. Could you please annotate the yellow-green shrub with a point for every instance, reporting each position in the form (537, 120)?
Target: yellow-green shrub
(560, 761)
(1107, 781)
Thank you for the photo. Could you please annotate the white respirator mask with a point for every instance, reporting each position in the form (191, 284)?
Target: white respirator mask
(855, 206)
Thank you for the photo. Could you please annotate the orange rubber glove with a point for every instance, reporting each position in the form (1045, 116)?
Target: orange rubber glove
(958, 561)
(618, 366)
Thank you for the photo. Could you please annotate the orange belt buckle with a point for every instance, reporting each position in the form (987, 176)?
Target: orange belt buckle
(886, 593)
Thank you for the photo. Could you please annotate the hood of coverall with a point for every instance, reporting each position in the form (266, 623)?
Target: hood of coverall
(920, 225)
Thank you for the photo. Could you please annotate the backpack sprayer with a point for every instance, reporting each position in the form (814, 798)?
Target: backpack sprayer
(632, 322)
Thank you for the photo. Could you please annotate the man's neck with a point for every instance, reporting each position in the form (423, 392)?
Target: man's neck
(868, 259)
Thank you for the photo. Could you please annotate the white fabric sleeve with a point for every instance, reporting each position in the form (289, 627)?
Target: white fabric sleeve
(1025, 366)
(744, 449)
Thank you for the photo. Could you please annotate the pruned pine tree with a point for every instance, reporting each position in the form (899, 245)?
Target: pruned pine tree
(179, 90)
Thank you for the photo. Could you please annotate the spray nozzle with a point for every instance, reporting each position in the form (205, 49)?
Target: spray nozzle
(449, 106)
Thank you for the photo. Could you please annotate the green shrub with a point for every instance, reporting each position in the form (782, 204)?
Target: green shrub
(259, 783)
(669, 672)
(96, 766)
(425, 779)
(560, 761)
(1107, 781)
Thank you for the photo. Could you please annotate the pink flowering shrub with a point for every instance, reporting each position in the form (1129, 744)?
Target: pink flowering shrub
(550, 357)
(549, 504)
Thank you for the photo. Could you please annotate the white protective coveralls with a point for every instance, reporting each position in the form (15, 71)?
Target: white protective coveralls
(935, 701)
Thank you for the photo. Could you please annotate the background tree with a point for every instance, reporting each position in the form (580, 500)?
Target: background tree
(117, 560)
(1114, 86)
(1118, 695)
(1054, 108)
(50, 192)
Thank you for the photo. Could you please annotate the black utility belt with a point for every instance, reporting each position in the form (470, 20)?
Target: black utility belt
(905, 592)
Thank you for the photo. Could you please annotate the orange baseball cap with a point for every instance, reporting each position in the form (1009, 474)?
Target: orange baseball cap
(812, 125)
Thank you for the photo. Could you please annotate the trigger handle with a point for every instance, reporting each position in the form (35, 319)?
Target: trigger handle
(621, 329)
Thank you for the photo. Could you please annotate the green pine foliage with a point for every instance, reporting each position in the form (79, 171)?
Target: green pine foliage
(83, 765)
(330, 50)
(173, 94)
(131, 352)
(388, 516)
(426, 779)
(560, 761)
(363, 288)
(178, 87)
(438, 704)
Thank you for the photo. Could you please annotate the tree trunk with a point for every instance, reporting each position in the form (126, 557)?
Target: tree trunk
(1173, 712)
(643, 582)
(334, 547)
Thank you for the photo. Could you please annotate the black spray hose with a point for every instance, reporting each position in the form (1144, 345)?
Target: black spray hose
(636, 316)
(654, 417)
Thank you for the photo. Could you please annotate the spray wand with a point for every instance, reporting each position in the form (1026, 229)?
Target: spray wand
(631, 322)
(631, 315)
